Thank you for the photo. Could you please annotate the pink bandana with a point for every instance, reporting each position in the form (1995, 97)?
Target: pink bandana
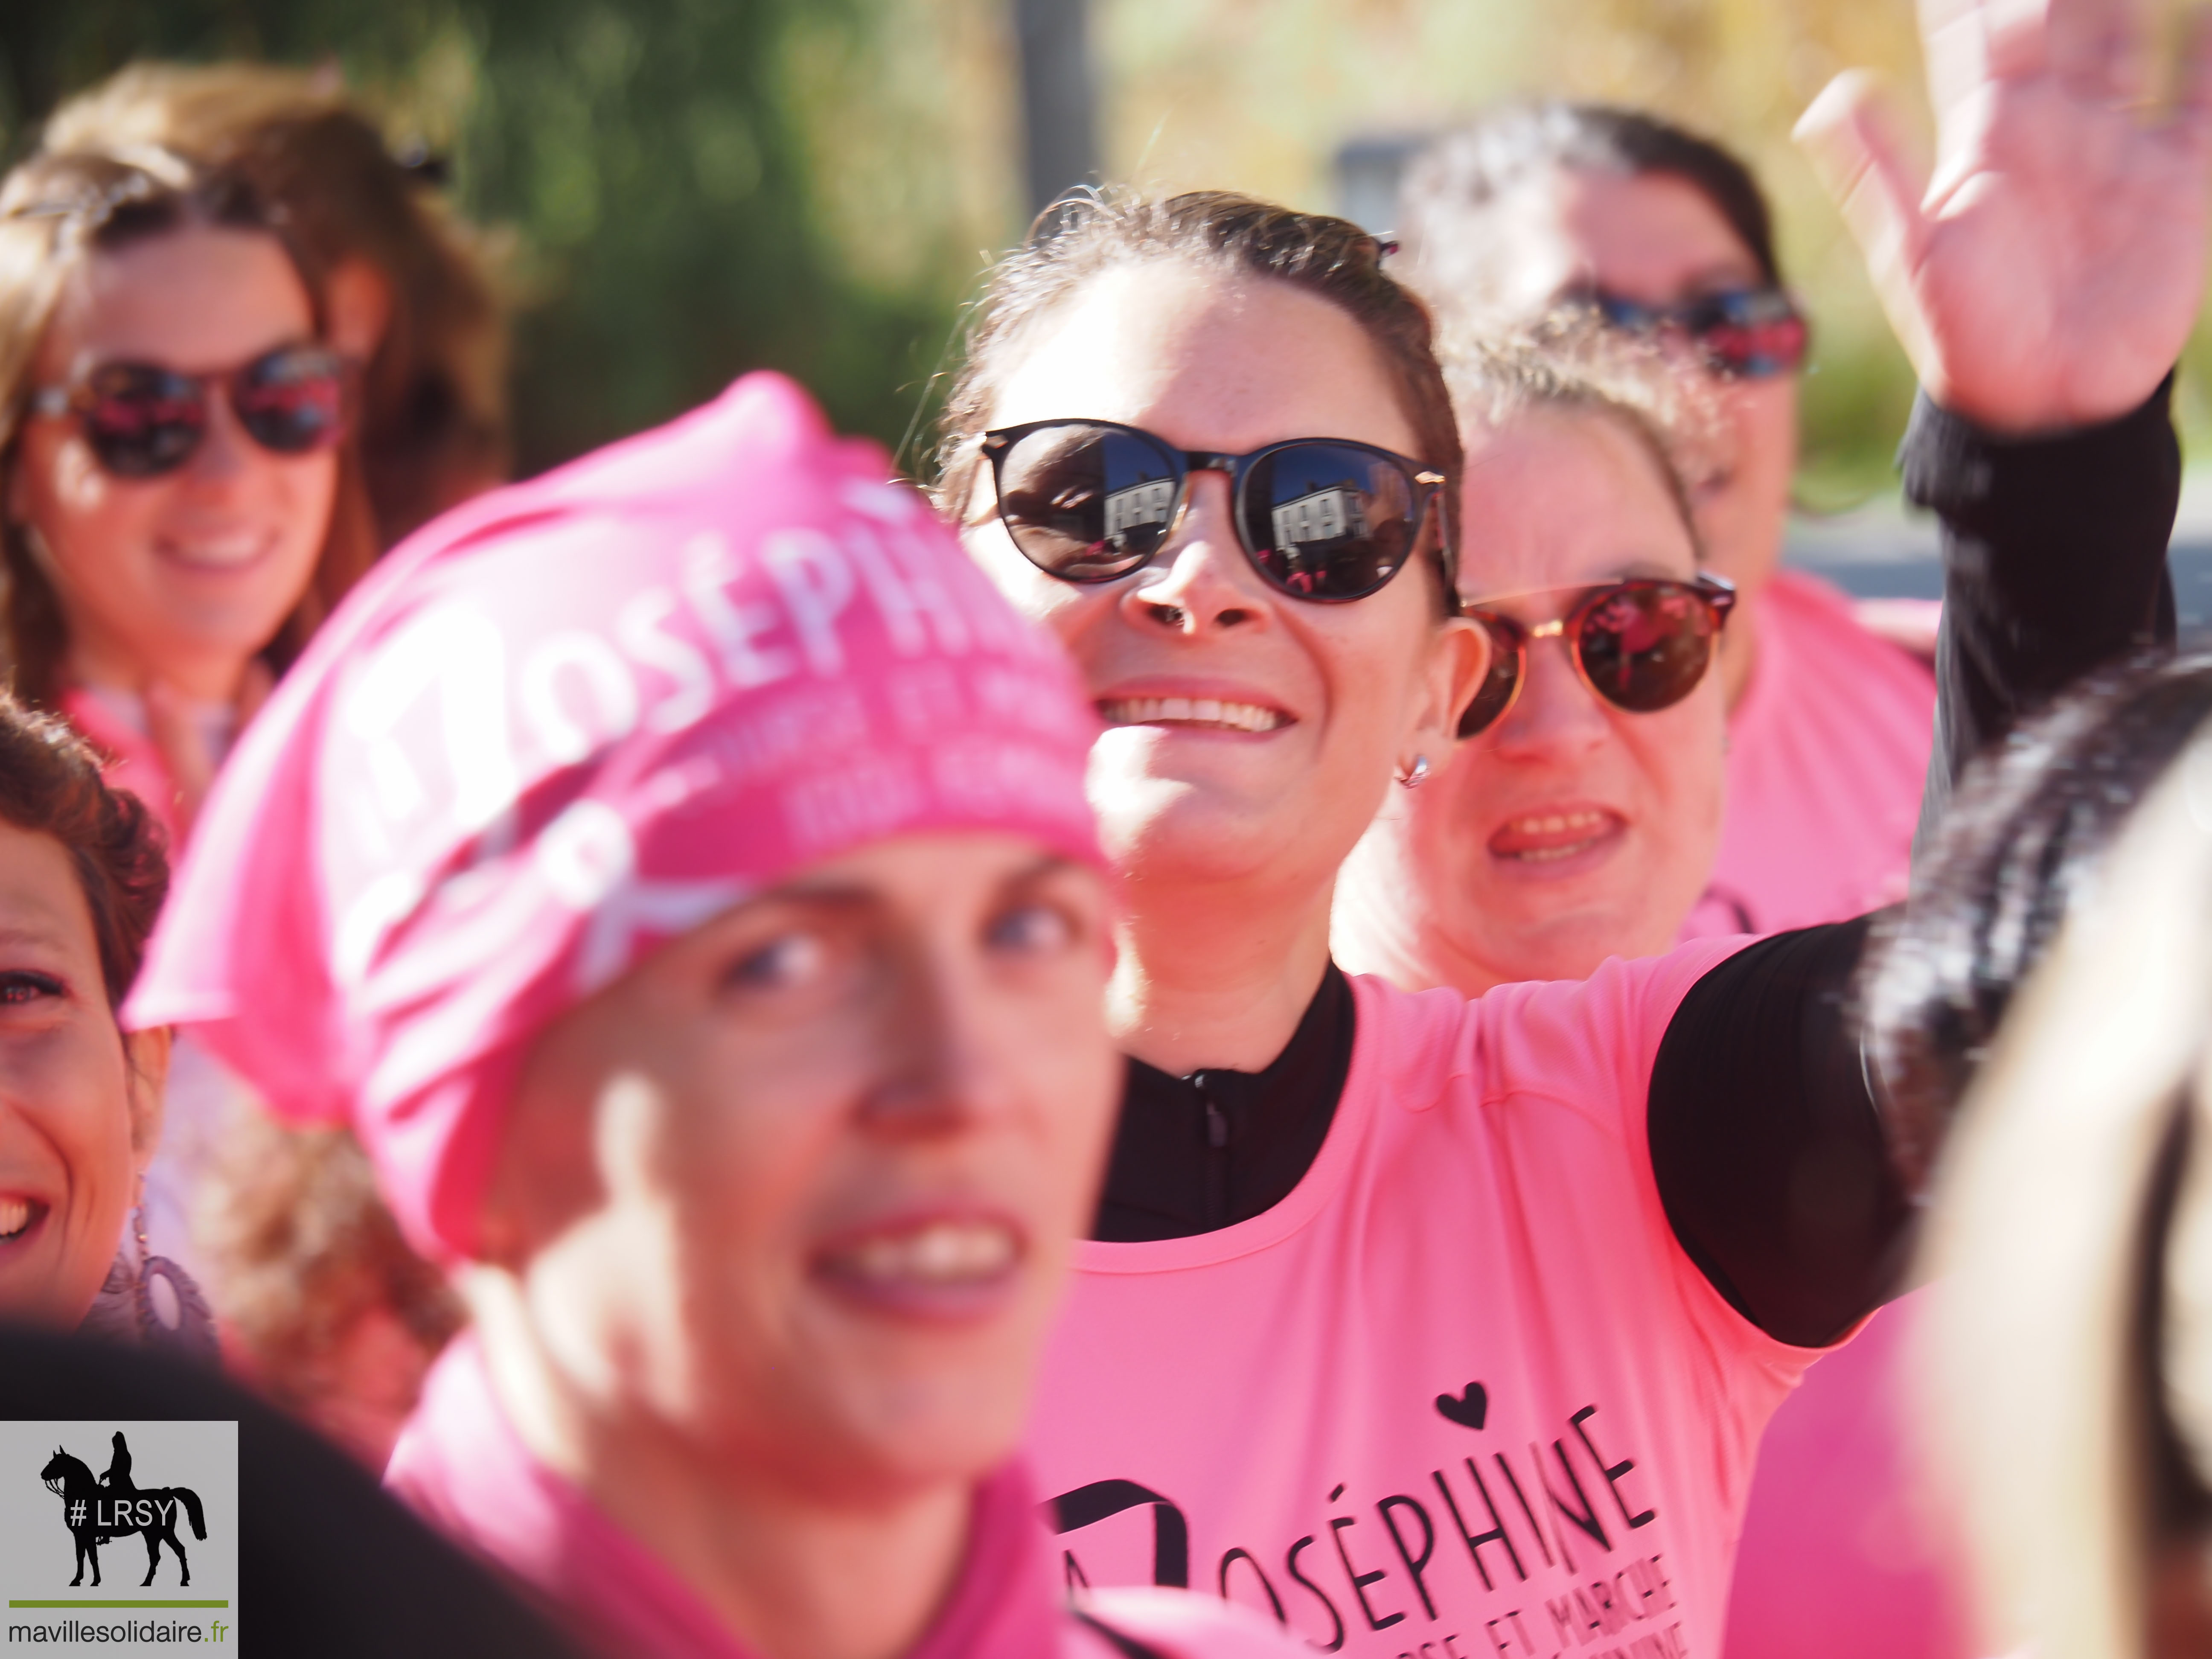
(572, 719)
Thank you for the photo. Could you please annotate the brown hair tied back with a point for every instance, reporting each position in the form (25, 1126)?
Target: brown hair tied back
(1089, 234)
(50, 785)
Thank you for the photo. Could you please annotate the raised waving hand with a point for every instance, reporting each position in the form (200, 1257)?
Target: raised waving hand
(2049, 271)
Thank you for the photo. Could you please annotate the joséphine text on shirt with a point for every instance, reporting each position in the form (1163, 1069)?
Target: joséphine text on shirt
(1461, 1393)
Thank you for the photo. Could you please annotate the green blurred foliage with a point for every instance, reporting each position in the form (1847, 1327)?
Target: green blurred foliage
(689, 188)
(1257, 95)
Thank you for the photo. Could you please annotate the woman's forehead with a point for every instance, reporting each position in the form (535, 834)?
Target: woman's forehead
(42, 905)
(1556, 497)
(1652, 237)
(1207, 359)
(194, 299)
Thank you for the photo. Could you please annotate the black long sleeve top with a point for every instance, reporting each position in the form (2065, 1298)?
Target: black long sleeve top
(1766, 1135)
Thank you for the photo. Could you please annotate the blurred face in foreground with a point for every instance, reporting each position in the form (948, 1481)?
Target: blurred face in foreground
(183, 576)
(1658, 239)
(798, 1193)
(79, 1103)
(1249, 734)
(1572, 830)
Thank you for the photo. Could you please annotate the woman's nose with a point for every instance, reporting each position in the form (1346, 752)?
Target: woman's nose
(939, 1070)
(1557, 714)
(1200, 583)
(226, 448)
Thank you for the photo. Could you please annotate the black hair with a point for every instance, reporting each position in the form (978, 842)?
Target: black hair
(2025, 834)
(1452, 246)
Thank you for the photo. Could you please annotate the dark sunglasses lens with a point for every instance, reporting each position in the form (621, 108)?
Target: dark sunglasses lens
(1756, 336)
(1646, 645)
(291, 401)
(1626, 314)
(1086, 503)
(142, 422)
(1328, 521)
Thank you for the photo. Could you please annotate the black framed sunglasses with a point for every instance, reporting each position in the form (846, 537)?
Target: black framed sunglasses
(1642, 645)
(142, 420)
(1325, 519)
(1753, 333)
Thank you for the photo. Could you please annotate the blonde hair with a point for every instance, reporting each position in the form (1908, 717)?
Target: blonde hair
(2067, 1360)
(1567, 364)
(432, 417)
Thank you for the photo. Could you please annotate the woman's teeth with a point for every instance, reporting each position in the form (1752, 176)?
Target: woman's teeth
(14, 1216)
(943, 1253)
(221, 552)
(1189, 711)
(1553, 836)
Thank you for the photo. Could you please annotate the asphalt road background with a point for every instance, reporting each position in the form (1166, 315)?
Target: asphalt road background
(1884, 551)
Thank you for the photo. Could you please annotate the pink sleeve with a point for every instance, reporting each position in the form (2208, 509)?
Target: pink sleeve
(1590, 1046)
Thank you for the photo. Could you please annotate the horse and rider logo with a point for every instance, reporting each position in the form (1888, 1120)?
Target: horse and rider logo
(99, 1509)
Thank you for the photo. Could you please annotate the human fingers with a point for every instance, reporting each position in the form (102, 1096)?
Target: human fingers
(1847, 136)
(1955, 44)
(2019, 36)
(2100, 48)
(2192, 106)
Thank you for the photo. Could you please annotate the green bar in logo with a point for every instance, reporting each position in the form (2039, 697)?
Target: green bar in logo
(118, 1604)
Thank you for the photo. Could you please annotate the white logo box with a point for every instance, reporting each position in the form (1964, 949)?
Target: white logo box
(180, 1471)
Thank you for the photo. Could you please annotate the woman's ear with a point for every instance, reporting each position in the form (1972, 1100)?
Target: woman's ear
(1459, 658)
(357, 298)
(146, 1067)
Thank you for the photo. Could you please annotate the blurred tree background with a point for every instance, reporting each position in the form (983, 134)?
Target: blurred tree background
(687, 188)
(694, 187)
(1259, 94)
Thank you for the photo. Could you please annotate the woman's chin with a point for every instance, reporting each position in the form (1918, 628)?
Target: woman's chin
(914, 1427)
(1184, 830)
(36, 1289)
(1516, 939)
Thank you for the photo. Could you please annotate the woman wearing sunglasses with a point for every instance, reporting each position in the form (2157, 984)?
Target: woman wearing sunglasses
(1407, 1320)
(178, 508)
(1658, 234)
(709, 959)
(1578, 821)
(411, 298)
(1578, 817)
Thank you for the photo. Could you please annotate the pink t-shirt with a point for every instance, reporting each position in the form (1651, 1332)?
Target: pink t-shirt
(1461, 1393)
(1827, 755)
(460, 1465)
(1840, 1518)
(132, 761)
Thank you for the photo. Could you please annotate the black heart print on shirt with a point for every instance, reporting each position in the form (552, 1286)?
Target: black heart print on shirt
(1469, 1410)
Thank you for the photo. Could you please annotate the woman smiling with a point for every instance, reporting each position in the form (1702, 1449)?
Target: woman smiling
(1407, 1317)
(81, 874)
(709, 950)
